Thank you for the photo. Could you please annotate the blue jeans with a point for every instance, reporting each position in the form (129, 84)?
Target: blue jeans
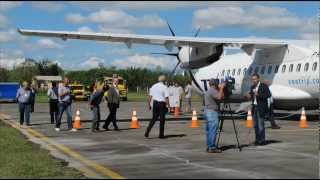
(25, 110)
(259, 126)
(64, 107)
(212, 127)
(95, 118)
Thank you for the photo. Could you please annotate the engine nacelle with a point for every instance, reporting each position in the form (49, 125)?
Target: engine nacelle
(197, 57)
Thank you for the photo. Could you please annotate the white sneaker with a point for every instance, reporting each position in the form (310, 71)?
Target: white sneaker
(73, 130)
(57, 129)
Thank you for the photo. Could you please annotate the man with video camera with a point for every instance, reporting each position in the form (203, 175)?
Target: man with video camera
(212, 99)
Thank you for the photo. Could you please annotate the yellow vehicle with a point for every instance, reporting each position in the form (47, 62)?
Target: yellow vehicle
(122, 86)
(78, 91)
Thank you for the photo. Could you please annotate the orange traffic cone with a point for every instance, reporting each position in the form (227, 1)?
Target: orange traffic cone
(194, 122)
(77, 121)
(176, 112)
(249, 123)
(303, 119)
(134, 120)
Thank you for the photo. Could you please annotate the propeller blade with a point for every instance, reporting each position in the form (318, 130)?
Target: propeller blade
(172, 32)
(175, 68)
(194, 80)
(168, 54)
(197, 33)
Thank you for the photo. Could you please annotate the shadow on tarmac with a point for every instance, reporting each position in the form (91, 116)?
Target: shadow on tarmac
(227, 147)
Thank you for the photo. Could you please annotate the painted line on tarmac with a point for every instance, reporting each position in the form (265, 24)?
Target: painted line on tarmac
(99, 168)
(294, 130)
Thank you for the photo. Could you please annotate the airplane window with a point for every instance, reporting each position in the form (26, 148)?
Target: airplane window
(290, 67)
(239, 71)
(256, 70)
(263, 69)
(197, 51)
(314, 66)
(228, 72)
(306, 67)
(269, 69)
(244, 71)
(223, 72)
(284, 68)
(276, 69)
(298, 67)
(233, 72)
(250, 70)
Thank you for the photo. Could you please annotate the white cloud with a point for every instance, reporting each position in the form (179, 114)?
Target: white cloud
(145, 61)
(85, 29)
(48, 44)
(92, 62)
(48, 6)
(110, 29)
(7, 5)
(310, 29)
(253, 17)
(11, 58)
(117, 20)
(75, 18)
(7, 36)
(3, 21)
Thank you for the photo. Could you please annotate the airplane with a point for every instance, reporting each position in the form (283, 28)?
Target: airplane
(291, 67)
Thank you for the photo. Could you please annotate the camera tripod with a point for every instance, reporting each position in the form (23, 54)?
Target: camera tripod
(226, 107)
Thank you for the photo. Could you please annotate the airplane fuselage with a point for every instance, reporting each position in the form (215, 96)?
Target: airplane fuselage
(293, 74)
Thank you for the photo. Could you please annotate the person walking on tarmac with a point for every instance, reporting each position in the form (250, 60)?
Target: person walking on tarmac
(95, 101)
(65, 102)
(53, 101)
(259, 94)
(23, 97)
(113, 99)
(160, 95)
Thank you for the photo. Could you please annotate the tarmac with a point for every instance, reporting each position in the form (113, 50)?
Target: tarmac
(291, 152)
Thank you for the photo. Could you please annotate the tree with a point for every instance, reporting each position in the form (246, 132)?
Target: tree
(4, 75)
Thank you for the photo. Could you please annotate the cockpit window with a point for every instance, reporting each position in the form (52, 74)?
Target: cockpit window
(314, 66)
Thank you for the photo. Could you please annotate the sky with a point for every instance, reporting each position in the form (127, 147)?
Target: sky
(280, 20)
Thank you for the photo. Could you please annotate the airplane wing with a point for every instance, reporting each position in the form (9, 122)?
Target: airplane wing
(167, 41)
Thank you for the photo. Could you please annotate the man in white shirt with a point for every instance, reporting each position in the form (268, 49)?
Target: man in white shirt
(188, 92)
(160, 95)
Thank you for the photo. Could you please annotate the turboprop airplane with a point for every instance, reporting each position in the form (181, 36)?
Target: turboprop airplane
(290, 66)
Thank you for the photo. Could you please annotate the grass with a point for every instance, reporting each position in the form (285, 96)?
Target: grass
(132, 97)
(19, 158)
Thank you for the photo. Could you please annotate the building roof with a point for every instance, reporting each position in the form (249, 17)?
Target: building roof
(48, 78)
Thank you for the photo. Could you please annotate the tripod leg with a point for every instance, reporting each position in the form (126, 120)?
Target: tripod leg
(220, 127)
(234, 128)
(236, 132)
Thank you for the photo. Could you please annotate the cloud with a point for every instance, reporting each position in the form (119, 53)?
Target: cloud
(92, 62)
(110, 29)
(48, 44)
(115, 20)
(145, 61)
(85, 29)
(11, 58)
(75, 18)
(252, 17)
(7, 36)
(310, 29)
(3, 21)
(7, 5)
(48, 6)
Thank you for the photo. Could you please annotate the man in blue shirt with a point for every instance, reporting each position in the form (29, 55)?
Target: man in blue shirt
(24, 99)
(65, 101)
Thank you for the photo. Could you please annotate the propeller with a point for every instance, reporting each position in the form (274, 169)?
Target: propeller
(178, 58)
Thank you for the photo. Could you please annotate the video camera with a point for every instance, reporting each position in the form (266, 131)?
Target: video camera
(229, 86)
